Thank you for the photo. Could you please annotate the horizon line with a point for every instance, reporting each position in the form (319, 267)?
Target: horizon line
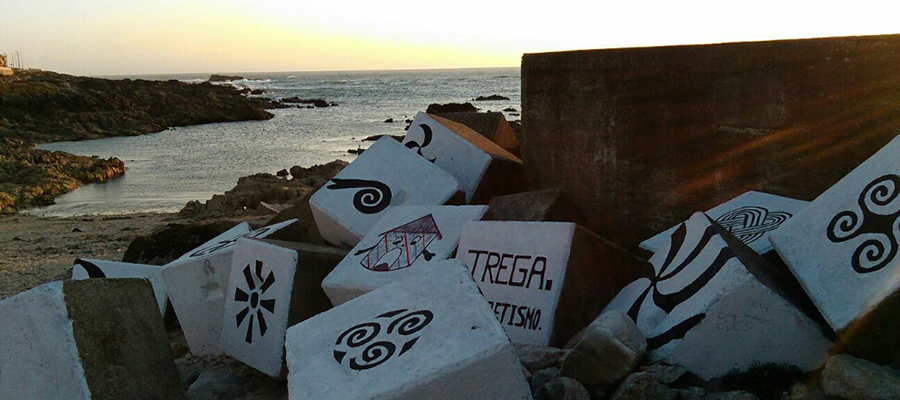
(302, 71)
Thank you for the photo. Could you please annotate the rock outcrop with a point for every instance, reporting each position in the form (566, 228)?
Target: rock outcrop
(450, 108)
(492, 97)
(224, 78)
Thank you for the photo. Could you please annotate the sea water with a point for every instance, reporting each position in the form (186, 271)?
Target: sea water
(170, 168)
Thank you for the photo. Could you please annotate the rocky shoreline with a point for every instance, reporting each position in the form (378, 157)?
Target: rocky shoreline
(42, 106)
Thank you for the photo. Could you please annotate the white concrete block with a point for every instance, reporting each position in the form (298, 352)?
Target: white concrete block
(407, 236)
(750, 217)
(272, 287)
(428, 336)
(84, 339)
(224, 240)
(455, 148)
(701, 294)
(197, 283)
(843, 249)
(387, 174)
(88, 268)
(542, 279)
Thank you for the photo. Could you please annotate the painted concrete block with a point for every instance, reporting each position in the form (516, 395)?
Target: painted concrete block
(88, 268)
(197, 284)
(274, 285)
(428, 336)
(492, 125)
(84, 339)
(459, 150)
(705, 298)
(387, 174)
(750, 217)
(843, 249)
(544, 280)
(407, 237)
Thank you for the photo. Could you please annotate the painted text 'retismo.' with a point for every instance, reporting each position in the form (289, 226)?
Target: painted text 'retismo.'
(525, 272)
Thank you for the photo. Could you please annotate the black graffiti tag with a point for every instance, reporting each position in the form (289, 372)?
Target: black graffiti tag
(879, 223)
(425, 142)
(668, 301)
(750, 223)
(371, 344)
(373, 197)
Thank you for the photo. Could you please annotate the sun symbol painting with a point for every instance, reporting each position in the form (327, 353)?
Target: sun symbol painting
(256, 287)
(399, 248)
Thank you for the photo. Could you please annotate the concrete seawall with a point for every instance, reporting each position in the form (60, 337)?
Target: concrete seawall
(642, 138)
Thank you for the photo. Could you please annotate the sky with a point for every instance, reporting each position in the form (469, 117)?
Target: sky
(118, 37)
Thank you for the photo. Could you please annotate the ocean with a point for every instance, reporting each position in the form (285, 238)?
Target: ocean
(170, 168)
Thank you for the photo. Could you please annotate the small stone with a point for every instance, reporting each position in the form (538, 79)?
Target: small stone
(691, 393)
(849, 377)
(76, 230)
(665, 374)
(389, 120)
(611, 348)
(535, 357)
(214, 385)
(282, 172)
(643, 385)
(563, 389)
(542, 377)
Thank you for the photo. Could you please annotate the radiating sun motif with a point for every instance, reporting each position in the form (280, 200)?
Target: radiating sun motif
(256, 287)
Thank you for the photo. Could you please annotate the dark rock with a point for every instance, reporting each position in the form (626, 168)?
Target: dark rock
(257, 91)
(450, 108)
(357, 151)
(389, 120)
(534, 357)
(541, 377)
(408, 121)
(611, 348)
(314, 102)
(282, 172)
(491, 98)
(245, 91)
(563, 389)
(373, 138)
(76, 230)
(510, 109)
(643, 386)
(214, 385)
(665, 374)
(170, 242)
(224, 78)
(849, 377)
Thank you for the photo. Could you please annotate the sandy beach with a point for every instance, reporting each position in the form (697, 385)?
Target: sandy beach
(37, 250)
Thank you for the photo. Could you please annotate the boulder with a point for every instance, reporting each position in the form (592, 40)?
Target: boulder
(540, 205)
(541, 377)
(849, 377)
(224, 78)
(492, 97)
(83, 339)
(407, 238)
(387, 174)
(429, 336)
(167, 244)
(843, 248)
(563, 389)
(543, 280)
(535, 358)
(273, 285)
(611, 348)
(482, 168)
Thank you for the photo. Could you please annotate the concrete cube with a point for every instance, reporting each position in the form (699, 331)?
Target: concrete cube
(197, 283)
(406, 237)
(87, 268)
(274, 285)
(428, 336)
(492, 125)
(86, 339)
(387, 174)
(843, 249)
(539, 205)
(750, 217)
(463, 153)
(545, 281)
(709, 303)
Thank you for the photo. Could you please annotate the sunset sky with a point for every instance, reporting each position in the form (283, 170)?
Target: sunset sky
(108, 37)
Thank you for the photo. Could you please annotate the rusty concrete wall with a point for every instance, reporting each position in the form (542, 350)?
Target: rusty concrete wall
(642, 138)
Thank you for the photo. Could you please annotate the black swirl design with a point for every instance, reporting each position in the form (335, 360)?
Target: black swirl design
(92, 269)
(372, 199)
(668, 301)
(750, 223)
(401, 328)
(878, 221)
(412, 144)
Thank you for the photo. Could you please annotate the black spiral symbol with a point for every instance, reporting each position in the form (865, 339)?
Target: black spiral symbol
(412, 144)
(372, 199)
(374, 355)
(875, 253)
(360, 334)
(411, 323)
